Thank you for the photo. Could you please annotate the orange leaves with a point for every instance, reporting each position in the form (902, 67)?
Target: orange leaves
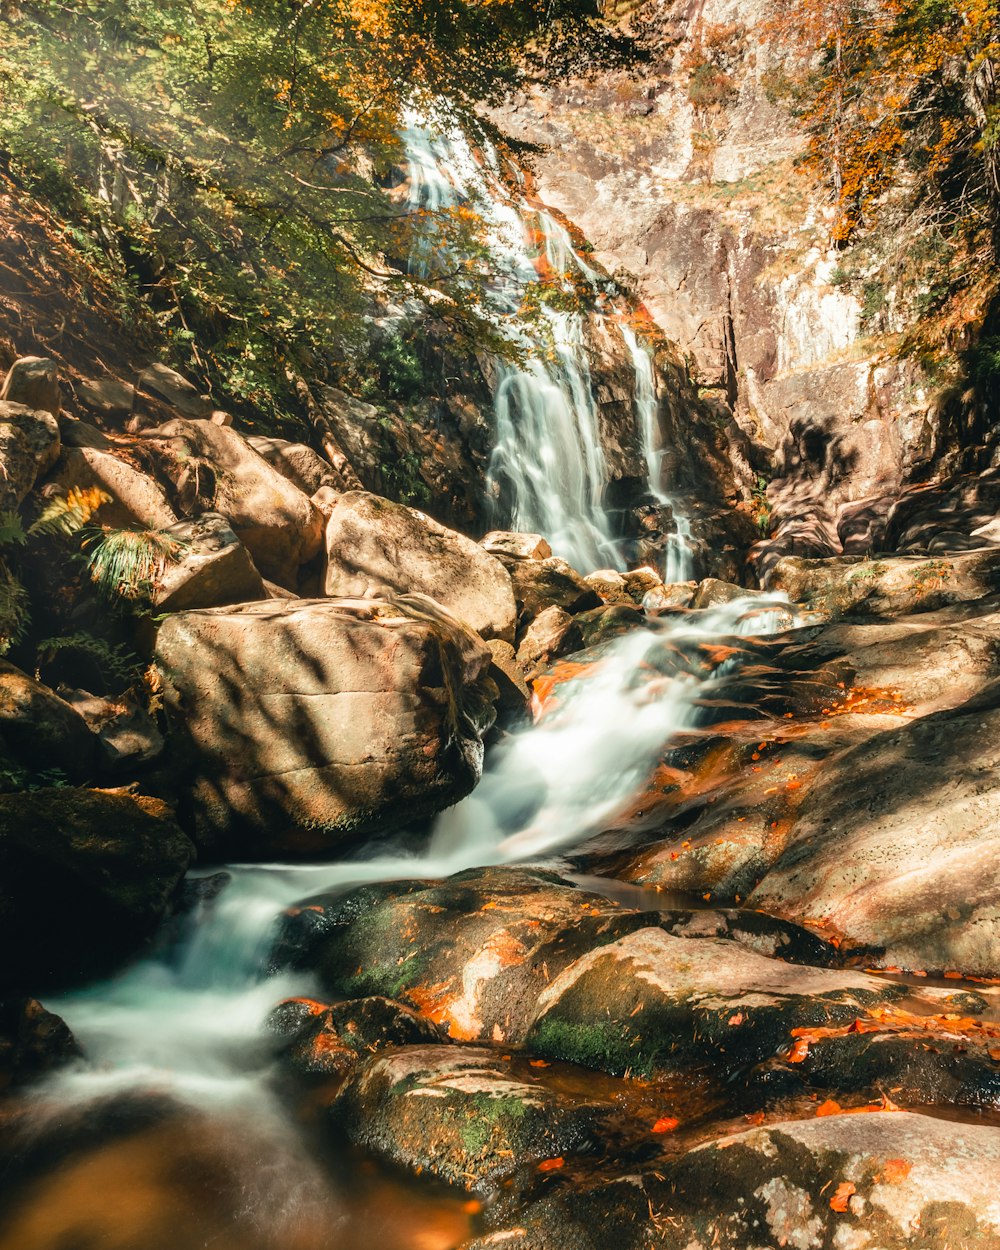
(799, 1051)
(543, 687)
(552, 1165)
(832, 1107)
(842, 1196)
(828, 1108)
(896, 1020)
(896, 1171)
(665, 1124)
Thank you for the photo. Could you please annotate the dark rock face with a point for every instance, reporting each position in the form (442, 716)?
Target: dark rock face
(40, 730)
(33, 1041)
(29, 447)
(321, 1040)
(299, 724)
(88, 875)
(896, 1180)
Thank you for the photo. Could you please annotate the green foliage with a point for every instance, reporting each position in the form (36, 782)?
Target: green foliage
(117, 663)
(124, 564)
(229, 159)
(15, 609)
(984, 365)
(15, 777)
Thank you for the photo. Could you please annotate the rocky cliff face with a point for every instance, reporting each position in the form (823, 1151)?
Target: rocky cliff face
(681, 172)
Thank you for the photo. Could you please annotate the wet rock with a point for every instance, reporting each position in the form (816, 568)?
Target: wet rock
(712, 592)
(29, 447)
(41, 730)
(514, 696)
(136, 499)
(516, 545)
(674, 595)
(376, 547)
(642, 582)
(887, 585)
(651, 1003)
(211, 567)
(212, 468)
(300, 464)
(34, 382)
(611, 620)
(33, 1041)
(552, 633)
(462, 1115)
(299, 724)
(321, 1040)
(88, 875)
(471, 953)
(867, 863)
(609, 584)
(541, 584)
(898, 1181)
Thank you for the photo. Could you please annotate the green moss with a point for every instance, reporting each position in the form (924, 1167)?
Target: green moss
(605, 1046)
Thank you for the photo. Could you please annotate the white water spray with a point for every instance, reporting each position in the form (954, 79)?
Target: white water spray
(548, 462)
(679, 565)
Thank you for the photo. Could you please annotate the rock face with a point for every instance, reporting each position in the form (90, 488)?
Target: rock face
(896, 1181)
(40, 730)
(29, 446)
(212, 468)
(302, 723)
(136, 499)
(33, 1041)
(34, 382)
(887, 586)
(377, 548)
(462, 1115)
(211, 568)
(518, 957)
(896, 847)
(300, 464)
(88, 875)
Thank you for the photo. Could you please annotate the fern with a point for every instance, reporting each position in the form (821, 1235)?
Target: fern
(12, 533)
(68, 515)
(124, 564)
(116, 662)
(15, 610)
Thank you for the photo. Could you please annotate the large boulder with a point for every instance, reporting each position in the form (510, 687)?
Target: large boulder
(211, 567)
(87, 876)
(299, 724)
(376, 547)
(212, 468)
(137, 501)
(299, 463)
(891, 1181)
(465, 1114)
(887, 585)
(895, 851)
(29, 447)
(175, 390)
(34, 382)
(33, 1041)
(42, 731)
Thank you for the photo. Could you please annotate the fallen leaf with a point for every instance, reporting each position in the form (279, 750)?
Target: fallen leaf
(799, 1051)
(896, 1171)
(756, 1117)
(737, 1019)
(540, 1063)
(665, 1124)
(842, 1197)
(552, 1165)
(830, 1107)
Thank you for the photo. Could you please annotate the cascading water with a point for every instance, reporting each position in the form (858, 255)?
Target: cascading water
(679, 564)
(548, 463)
(188, 1024)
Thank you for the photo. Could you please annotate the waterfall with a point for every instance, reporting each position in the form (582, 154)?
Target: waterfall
(679, 565)
(547, 467)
